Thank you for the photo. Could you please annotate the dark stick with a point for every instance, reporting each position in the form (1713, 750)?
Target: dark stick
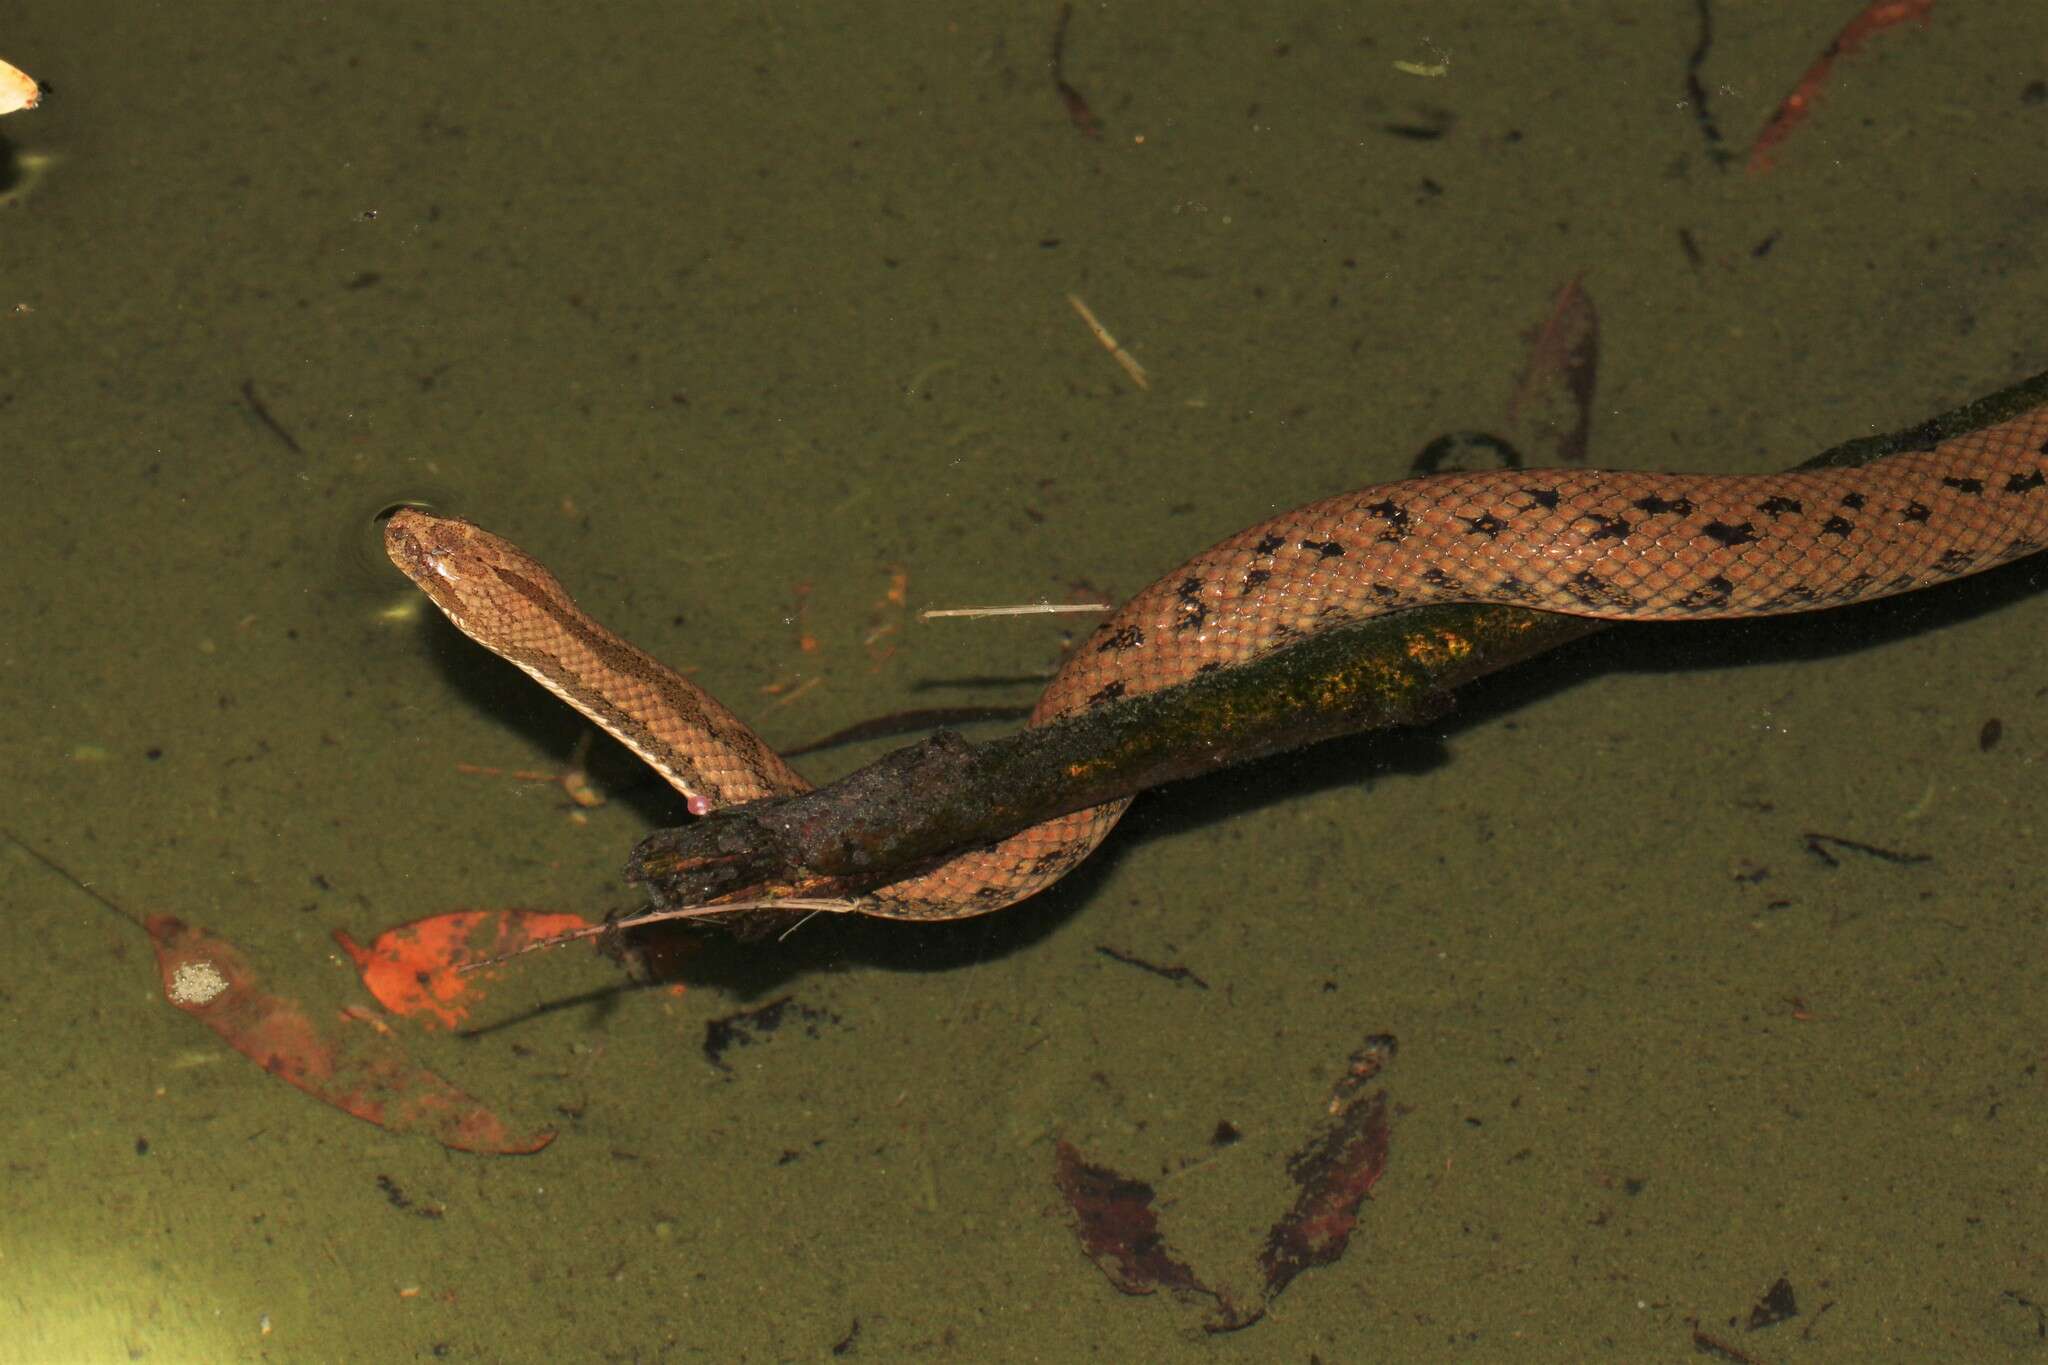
(917, 802)
(263, 415)
(1082, 117)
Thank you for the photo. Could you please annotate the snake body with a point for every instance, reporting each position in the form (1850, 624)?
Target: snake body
(1618, 545)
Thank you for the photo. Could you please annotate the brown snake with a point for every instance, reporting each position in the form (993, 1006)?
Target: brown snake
(1637, 546)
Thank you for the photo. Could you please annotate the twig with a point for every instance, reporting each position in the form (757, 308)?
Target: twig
(262, 413)
(1109, 343)
(646, 917)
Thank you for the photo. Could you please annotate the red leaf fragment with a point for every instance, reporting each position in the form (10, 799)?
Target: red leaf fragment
(1792, 111)
(362, 1071)
(414, 969)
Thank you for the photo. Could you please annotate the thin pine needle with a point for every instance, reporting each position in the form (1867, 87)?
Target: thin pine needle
(1028, 609)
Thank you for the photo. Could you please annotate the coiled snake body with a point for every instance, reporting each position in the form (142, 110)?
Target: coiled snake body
(1640, 546)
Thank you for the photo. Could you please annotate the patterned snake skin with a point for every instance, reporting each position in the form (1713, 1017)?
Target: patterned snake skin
(1625, 546)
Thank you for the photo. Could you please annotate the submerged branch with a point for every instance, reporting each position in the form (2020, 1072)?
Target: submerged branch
(918, 802)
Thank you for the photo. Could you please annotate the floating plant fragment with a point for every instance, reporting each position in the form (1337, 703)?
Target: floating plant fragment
(1553, 400)
(415, 969)
(1792, 111)
(1334, 1172)
(1120, 1232)
(351, 1062)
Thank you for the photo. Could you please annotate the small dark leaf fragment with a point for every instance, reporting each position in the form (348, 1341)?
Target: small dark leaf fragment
(755, 1025)
(1777, 1305)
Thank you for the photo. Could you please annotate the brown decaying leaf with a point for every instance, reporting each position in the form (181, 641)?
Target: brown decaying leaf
(1555, 392)
(344, 1061)
(1117, 1227)
(1335, 1172)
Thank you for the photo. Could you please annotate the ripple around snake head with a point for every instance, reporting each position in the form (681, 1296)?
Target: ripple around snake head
(361, 562)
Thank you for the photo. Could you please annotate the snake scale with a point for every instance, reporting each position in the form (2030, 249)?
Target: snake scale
(1616, 545)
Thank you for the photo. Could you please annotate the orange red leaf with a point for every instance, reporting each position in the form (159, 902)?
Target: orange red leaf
(413, 969)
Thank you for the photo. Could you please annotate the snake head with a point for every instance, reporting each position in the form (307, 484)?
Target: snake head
(465, 570)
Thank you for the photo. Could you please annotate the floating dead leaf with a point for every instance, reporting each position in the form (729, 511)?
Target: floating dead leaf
(1794, 108)
(1553, 400)
(1779, 1304)
(1335, 1172)
(414, 969)
(1120, 1232)
(359, 1069)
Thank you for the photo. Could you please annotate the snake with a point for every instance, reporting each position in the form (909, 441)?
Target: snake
(1611, 544)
